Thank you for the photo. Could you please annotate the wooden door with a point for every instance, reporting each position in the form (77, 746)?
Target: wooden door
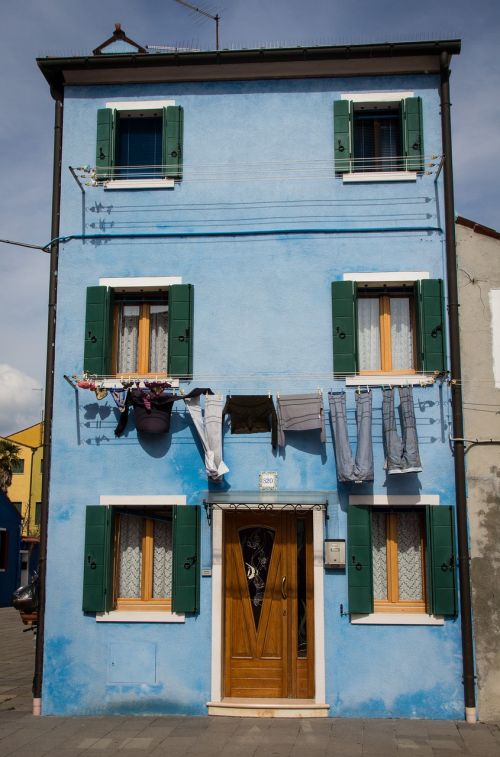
(268, 607)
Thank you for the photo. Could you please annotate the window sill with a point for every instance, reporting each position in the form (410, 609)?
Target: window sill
(397, 619)
(379, 379)
(112, 382)
(132, 616)
(359, 177)
(139, 184)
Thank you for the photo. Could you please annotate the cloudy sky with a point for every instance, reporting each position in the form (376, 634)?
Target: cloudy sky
(34, 28)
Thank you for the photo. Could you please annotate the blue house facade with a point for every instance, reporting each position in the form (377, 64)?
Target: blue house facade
(10, 540)
(250, 454)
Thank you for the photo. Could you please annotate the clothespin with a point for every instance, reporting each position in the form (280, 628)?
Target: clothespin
(268, 394)
(277, 395)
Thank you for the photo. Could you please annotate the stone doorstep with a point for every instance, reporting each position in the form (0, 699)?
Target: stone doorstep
(268, 708)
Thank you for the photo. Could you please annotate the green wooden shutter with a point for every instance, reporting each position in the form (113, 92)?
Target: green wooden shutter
(97, 348)
(105, 143)
(413, 134)
(441, 559)
(431, 325)
(98, 556)
(180, 330)
(186, 559)
(359, 559)
(173, 130)
(344, 309)
(342, 127)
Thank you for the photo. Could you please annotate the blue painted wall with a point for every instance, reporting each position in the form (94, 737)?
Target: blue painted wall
(262, 323)
(10, 519)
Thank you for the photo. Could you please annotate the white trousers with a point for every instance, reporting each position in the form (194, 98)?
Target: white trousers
(209, 428)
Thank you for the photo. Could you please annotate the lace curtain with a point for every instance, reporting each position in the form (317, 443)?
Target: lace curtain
(409, 555)
(128, 338)
(369, 334)
(130, 557)
(162, 560)
(158, 338)
(379, 555)
(401, 333)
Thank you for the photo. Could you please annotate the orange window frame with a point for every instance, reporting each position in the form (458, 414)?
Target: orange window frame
(393, 603)
(385, 334)
(143, 343)
(146, 601)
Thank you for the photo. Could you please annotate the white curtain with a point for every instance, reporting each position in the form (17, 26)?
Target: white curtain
(158, 338)
(127, 342)
(409, 556)
(379, 555)
(130, 556)
(369, 334)
(401, 333)
(162, 560)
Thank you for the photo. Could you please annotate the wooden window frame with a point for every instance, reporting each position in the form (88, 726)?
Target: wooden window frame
(393, 603)
(146, 602)
(385, 332)
(143, 341)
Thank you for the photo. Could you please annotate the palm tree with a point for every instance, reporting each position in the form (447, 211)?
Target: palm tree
(9, 456)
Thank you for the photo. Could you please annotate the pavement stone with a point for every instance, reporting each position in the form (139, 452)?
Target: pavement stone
(22, 735)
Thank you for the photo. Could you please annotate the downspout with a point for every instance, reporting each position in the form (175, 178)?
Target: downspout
(456, 401)
(58, 95)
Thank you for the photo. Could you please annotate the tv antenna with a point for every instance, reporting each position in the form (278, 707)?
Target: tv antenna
(203, 12)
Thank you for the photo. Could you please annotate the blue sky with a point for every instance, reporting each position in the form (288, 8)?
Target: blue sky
(33, 28)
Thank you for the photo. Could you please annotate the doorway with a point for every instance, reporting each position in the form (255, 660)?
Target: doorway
(268, 605)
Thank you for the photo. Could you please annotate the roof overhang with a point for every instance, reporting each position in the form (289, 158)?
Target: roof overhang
(232, 65)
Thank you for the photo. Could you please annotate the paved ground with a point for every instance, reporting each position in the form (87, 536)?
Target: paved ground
(22, 735)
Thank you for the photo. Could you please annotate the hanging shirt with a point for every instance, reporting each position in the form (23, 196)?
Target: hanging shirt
(300, 412)
(252, 414)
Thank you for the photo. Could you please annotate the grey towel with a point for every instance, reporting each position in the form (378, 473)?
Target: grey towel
(300, 412)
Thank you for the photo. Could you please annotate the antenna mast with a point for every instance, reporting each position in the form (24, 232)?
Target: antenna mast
(215, 18)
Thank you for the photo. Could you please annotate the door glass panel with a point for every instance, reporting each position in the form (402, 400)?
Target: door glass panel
(256, 546)
(301, 589)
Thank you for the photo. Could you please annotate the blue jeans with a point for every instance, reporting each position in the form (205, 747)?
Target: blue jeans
(361, 468)
(402, 456)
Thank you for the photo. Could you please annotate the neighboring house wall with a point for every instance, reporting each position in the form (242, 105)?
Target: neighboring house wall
(10, 532)
(262, 324)
(26, 486)
(478, 251)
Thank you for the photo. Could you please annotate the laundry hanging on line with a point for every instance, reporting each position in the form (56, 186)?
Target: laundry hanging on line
(252, 414)
(300, 412)
(208, 425)
(360, 468)
(152, 411)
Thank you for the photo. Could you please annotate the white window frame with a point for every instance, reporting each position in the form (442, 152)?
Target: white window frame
(374, 98)
(394, 278)
(395, 618)
(126, 107)
(139, 284)
(132, 500)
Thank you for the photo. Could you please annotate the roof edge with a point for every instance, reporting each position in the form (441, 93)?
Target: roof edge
(486, 231)
(53, 67)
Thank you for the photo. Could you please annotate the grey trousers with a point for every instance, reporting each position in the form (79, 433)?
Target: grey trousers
(361, 468)
(209, 428)
(402, 456)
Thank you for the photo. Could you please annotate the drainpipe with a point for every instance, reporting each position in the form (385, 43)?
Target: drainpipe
(58, 95)
(456, 401)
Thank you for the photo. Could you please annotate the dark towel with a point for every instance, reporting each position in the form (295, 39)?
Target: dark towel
(252, 414)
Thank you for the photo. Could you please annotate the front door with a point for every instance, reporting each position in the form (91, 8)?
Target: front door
(268, 608)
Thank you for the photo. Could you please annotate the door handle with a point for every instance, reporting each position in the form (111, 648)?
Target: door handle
(283, 587)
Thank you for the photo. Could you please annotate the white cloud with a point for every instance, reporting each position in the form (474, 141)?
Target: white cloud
(19, 404)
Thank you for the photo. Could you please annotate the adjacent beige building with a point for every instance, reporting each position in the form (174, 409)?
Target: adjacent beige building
(478, 251)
